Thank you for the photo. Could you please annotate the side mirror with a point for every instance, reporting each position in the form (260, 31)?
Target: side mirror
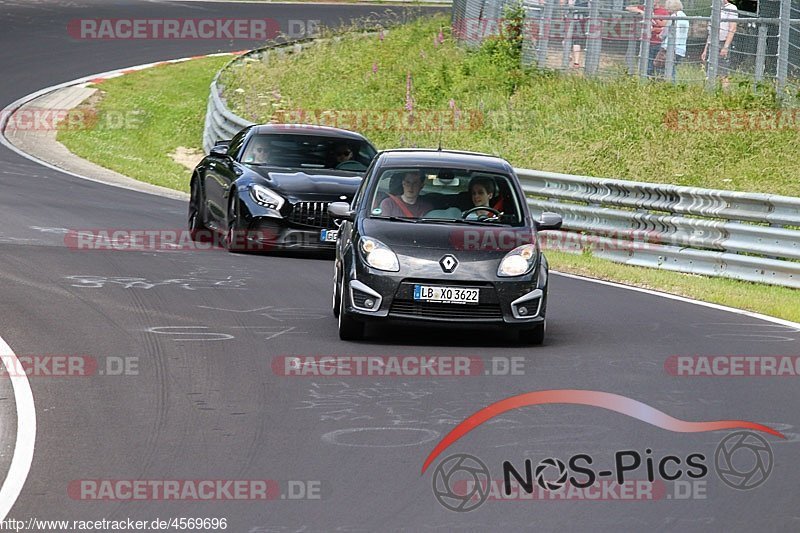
(219, 150)
(549, 221)
(341, 211)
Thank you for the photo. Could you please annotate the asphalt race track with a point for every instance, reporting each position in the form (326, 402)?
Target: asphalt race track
(200, 398)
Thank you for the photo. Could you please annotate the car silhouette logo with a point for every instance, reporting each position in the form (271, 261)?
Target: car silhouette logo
(448, 263)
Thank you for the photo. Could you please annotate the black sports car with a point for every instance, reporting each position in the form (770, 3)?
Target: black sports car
(440, 237)
(269, 187)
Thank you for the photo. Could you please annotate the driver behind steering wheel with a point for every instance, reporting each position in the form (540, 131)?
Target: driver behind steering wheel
(342, 153)
(481, 190)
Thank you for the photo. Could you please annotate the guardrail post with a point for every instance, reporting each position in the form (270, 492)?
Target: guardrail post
(545, 26)
(712, 51)
(669, 64)
(571, 23)
(783, 48)
(761, 53)
(593, 43)
(644, 49)
(630, 52)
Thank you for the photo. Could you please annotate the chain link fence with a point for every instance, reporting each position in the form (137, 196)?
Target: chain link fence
(697, 42)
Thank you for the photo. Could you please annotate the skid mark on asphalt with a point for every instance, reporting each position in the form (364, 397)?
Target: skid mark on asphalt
(192, 284)
(279, 314)
(200, 333)
(374, 437)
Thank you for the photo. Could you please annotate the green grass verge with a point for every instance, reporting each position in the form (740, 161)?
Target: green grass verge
(143, 117)
(780, 302)
(615, 128)
(171, 102)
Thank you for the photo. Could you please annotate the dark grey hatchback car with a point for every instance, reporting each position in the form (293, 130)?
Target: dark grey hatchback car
(440, 237)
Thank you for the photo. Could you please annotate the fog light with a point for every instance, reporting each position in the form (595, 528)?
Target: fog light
(369, 303)
(522, 310)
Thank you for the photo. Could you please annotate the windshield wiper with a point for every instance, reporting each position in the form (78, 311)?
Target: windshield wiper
(461, 221)
(400, 219)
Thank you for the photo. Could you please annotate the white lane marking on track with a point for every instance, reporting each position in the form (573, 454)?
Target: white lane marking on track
(759, 316)
(26, 433)
(13, 106)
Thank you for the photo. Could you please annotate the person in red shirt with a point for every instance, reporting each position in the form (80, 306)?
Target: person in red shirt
(409, 204)
(655, 33)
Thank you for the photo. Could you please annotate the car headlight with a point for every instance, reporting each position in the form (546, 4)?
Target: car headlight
(266, 197)
(518, 261)
(378, 255)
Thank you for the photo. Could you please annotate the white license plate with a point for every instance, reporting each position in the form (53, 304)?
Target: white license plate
(448, 295)
(328, 235)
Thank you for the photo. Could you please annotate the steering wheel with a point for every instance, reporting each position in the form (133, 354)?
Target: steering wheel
(352, 165)
(466, 213)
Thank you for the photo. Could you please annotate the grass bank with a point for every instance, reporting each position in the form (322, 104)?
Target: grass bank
(143, 117)
(616, 128)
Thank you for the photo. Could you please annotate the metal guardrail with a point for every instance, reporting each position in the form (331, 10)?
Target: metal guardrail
(745, 236)
(221, 123)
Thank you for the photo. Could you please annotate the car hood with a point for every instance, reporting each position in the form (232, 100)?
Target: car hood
(483, 242)
(304, 182)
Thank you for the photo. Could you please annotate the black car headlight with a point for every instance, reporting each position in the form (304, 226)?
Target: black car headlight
(518, 261)
(266, 197)
(378, 255)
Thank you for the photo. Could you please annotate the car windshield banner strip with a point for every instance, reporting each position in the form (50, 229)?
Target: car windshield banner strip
(604, 400)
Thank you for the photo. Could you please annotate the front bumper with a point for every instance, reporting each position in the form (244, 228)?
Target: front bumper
(267, 233)
(372, 294)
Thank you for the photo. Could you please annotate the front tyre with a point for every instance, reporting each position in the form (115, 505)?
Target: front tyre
(197, 229)
(336, 296)
(349, 329)
(233, 235)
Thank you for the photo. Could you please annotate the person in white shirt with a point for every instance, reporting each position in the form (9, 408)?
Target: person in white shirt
(727, 29)
(675, 8)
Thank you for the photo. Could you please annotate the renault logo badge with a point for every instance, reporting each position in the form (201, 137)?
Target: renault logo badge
(448, 263)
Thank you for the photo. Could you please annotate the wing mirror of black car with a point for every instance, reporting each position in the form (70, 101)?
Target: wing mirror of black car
(219, 150)
(549, 221)
(341, 211)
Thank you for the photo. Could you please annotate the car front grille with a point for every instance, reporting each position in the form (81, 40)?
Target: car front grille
(486, 312)
(313, 214)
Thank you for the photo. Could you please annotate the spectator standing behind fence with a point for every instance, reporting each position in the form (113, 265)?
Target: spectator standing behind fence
(655, 32)
(579, 17)
(727, 29)
(675, 8)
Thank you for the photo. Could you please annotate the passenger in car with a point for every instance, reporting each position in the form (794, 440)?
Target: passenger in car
(408, 204)
(482, 190)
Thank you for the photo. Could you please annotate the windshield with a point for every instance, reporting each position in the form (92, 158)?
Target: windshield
(308, 151)
(445, 194)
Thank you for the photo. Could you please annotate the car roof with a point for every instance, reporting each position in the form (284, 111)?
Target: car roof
(307, 129)
(443, 158)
